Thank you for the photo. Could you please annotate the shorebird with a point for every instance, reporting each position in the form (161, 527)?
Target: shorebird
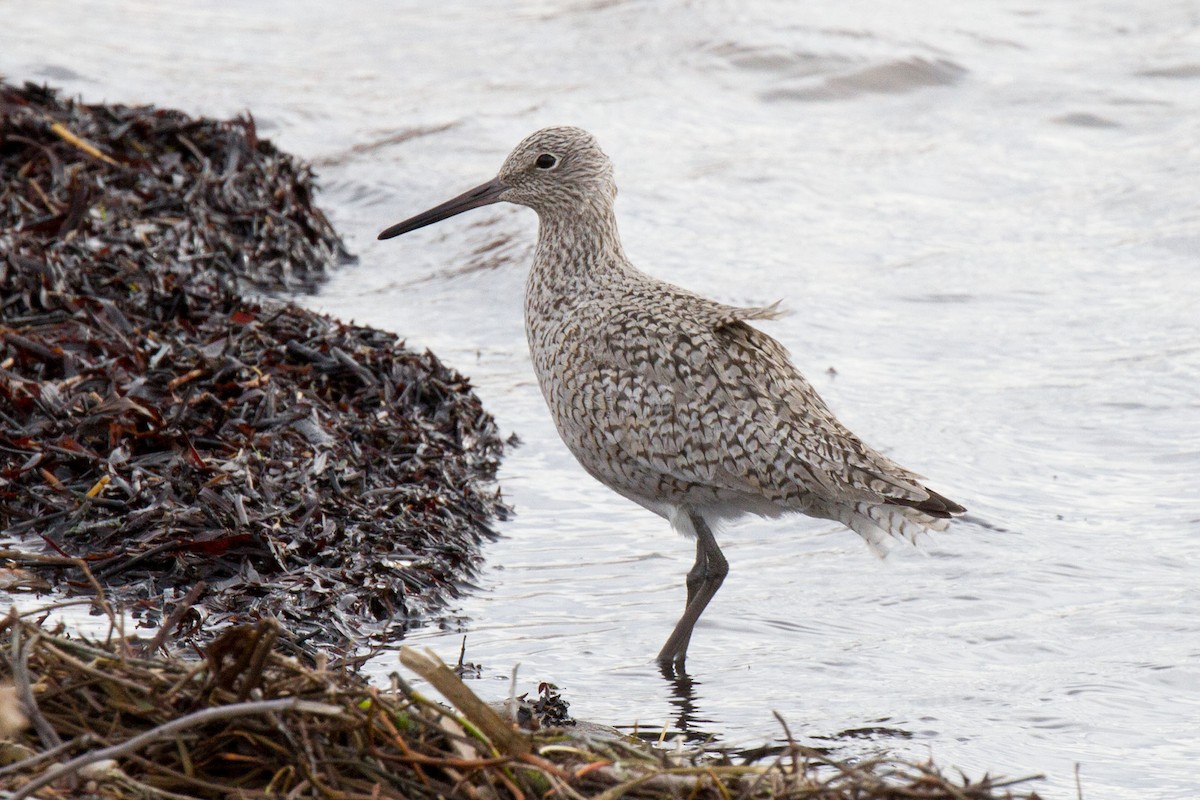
(672, 400)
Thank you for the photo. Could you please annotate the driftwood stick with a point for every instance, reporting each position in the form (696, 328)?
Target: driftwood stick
(24, 686)
(37, 758)
(501, 734)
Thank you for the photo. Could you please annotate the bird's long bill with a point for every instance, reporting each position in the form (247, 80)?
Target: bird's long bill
(481, 195)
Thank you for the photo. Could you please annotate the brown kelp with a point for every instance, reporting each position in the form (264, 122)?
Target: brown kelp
(166, 426)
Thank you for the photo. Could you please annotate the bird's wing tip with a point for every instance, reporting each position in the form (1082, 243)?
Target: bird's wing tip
(773, 311)
(732, 314)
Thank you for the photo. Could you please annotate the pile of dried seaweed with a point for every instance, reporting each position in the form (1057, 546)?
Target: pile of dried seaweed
(204, 199)
(108, 721)
(168, 431)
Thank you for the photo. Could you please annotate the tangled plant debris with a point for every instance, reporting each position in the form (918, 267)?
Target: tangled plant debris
(212, 458)
(108, 720)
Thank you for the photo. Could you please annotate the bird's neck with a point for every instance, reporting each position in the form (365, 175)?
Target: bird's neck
(577, 248)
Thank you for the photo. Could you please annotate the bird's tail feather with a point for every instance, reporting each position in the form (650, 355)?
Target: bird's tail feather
(877, 524)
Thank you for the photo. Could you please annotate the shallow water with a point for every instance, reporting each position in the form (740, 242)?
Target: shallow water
(984, 218)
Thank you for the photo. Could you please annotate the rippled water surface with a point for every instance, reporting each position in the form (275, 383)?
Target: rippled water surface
(985, 219)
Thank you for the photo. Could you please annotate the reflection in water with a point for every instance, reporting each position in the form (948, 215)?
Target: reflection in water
(691, 726)
(683, 700)
(868, 732)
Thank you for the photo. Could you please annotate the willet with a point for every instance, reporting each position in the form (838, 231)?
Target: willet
(672, 400)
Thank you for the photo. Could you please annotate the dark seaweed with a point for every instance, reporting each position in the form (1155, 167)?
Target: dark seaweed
(158, 422)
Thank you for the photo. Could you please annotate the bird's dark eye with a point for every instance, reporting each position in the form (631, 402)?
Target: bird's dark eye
(546, 161)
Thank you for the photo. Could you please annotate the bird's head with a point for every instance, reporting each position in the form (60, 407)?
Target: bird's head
(553, 171)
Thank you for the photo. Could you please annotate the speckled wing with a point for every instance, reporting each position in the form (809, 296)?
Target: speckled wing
(703, 400)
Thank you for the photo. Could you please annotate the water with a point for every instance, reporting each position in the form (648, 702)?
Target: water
(984, 217)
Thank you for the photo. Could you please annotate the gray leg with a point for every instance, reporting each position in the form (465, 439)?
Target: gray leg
(703, 581)
(695, 576)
